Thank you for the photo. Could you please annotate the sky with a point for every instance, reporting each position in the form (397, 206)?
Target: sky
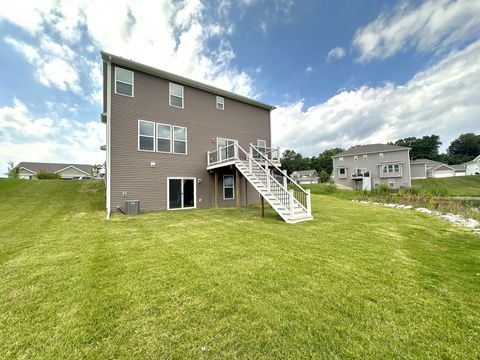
(340, 72)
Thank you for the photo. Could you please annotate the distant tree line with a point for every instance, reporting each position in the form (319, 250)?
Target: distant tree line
(464, 148)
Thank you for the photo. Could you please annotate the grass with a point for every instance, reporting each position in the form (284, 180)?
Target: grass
(359, 281)
(453, 186)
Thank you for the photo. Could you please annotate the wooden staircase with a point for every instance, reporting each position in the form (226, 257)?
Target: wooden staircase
(285, 196)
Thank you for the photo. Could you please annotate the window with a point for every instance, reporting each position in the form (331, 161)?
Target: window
(396, 168)
(179, 140)
(220, 103)
(365, 157)
(146, 135)
(176, 95)
(340, 160)
(391, 168)
(228, 187)
(376, 183)
(355, 158)
(391, 183)
(341, 171)
(123, 82)
(164, 138)
(261, 145)
(380, 156)
(361, 171)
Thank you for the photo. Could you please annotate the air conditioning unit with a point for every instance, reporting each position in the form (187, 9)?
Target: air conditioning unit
(132, 207)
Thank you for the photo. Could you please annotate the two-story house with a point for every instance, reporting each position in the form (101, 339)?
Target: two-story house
(367, 166)
(175, 143)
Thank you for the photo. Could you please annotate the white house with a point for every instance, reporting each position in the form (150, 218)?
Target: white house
(473, 167)
(29, 170)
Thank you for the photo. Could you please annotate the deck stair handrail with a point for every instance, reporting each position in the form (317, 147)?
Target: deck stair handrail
(300, 194)
(286, 197)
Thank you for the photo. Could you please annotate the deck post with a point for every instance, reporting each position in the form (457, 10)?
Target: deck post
(237, 186)
(285, 184)
(309, 203)
(215, 195)
(268, 180)
(246, 192)
(250, 160)
(208, 158)
(290, 192)
(262, 207)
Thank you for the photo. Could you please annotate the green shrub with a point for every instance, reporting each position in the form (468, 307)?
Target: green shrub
(383, 188)
(45, 175)
(324, 176)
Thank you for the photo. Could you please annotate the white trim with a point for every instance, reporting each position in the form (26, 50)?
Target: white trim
(138, 135)
(220, 138)
(194, 192)
(170, 96)
(355, 157)
(233, 187)
(157, 137)
(109, 138)
(173, 140)
(222, 102)
(71, 166)
(24, 168)
(123, 82)
(391, 180)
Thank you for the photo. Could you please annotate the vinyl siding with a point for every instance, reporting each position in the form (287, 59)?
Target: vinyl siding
(130, 169)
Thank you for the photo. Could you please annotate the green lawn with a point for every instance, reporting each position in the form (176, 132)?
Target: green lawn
(455, 186)
(359, 281)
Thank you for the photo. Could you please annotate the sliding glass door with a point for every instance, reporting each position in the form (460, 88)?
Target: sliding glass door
(181, 193)
(226, 148)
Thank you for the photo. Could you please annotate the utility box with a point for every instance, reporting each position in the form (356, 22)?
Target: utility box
(132, 207)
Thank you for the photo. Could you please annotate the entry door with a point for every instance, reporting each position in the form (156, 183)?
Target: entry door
(181, 193)
(226, 150)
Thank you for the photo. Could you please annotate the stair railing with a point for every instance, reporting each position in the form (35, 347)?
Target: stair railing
(274, 187)
(302, 196)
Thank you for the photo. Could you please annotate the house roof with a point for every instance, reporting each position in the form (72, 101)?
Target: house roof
(428, 162)
(460, 167)
(53, 167)
(181, 80)
(304, 173)
(369, 149)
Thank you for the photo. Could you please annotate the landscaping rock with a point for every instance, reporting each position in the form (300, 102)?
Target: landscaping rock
(425, 210)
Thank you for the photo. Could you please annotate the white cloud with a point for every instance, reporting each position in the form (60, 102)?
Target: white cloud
(433, 25)
(444, 99)
(336, 54)
(309, 69)
(25, 137)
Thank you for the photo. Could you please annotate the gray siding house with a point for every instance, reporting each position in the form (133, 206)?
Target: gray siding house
(426, 168)
(305, 176)
(175, 143)
(365, 167)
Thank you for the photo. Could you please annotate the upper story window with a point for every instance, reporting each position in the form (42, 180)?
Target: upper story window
(365, 157)
(220, 103)
(340, 160)
(146, 135)
(164, 138)
(176, 95)
(380, 156)
(262, 146)
(342, 171)
(355, 157)
(179, 140)
(391, 168)
(123, 82)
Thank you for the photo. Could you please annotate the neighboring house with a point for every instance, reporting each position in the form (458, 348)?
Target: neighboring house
(305, 176)
(29, 170)
(367, 166)
(473, 167)
(175, 143)
(423, 168)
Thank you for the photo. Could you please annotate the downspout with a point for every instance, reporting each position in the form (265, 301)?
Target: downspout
(109, 132)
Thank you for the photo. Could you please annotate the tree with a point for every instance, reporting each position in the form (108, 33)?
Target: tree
(324, 161)
(292, 161)
(13, 170)
(425, 147)
(324, 176)
(465, 148)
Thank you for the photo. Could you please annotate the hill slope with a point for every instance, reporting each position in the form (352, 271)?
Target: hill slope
(455, 186)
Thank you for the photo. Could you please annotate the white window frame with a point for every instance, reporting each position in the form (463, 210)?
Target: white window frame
(157, 137)
(185, 141)
(220, 100)
(381, 156)
(194, 192)
(233, 188)
(355, 158)
(132, 84)
(390, 182)
(340, 160)
(170, 96)
(376, 183)
(365, 157)
(154, 133)
(362, 171)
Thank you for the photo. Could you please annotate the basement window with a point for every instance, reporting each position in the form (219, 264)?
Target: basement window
(123, 82)
(228, 187)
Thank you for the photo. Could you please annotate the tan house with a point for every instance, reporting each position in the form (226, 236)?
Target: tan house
(174, 143)
(29, 170)
(364, 167)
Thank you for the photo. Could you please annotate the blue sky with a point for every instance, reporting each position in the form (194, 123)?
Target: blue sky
(340, 72)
